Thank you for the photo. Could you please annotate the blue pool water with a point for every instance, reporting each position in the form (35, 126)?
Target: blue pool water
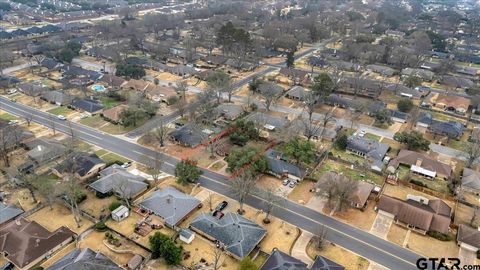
(98, 88)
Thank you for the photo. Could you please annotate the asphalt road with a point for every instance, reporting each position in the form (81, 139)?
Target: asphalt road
(367, 245)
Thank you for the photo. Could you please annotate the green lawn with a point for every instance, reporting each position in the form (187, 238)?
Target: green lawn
(372, 137)
(443, 117)
(346, 156)
(93, 121)
(61, 110)
(364, 175)
(469, 64)
(120, 129)
(8, 117)
(110, 158)
(108, 102)
(438, 185)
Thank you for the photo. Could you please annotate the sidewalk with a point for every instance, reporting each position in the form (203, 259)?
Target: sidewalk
(299, 249)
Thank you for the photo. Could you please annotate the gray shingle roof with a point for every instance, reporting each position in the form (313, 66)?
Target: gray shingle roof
(322, 263)
(170, 204)
(189, 135)
(280, 166)
(372, 149)
(471, 179)
(121, 182)
(85, 259)
(238, 234)
(279, 260)
(263, 118)
(8, 212)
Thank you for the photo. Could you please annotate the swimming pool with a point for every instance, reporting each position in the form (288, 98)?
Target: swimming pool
(98, 88)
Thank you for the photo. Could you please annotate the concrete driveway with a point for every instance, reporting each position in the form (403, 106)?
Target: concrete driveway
(466, 256)
(299, 249)
(381, 225)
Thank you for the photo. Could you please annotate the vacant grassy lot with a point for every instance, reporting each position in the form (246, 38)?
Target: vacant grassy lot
(363, 175)
(61, 110)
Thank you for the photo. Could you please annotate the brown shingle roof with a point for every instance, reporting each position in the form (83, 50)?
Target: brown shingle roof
(451, 101)
(112, 80)
(25, 241)
(468, 235)
(114, 113)
(361, 194)
(434, 216)
(408, 157)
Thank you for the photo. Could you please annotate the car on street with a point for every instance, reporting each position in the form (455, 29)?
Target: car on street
(61, 117)
(221, 206)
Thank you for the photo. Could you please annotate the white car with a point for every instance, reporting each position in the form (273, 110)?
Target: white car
(361, 133)
(61, 117)
(13, 122)
(11, 91)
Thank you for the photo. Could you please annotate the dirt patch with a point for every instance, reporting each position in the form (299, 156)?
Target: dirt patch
(57, 217)
(95, 206)
(339, 255)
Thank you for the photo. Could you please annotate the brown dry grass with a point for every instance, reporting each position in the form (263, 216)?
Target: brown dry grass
(360, 219)
(20, 197)
(168, 76)
(301, 193)
(339, 255)
(64, 251)
(95, 239)
(401, 192)
(95, 206)
(57, 217)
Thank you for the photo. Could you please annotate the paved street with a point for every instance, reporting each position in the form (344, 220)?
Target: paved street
(356, 240)
(9, 70)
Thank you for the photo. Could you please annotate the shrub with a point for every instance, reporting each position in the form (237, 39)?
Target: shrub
(80, 197)
(418, 183)
(172, 100)
(37, 268)
(440, 236)
(114, 205)
(404, 105)
(100, 226)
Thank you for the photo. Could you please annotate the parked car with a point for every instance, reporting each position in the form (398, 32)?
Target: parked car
(292, 184)
(11, 91)
(126, 164)
(61, 117)
(361, 133)
(13, 122)
(286, 182)
(221, 206)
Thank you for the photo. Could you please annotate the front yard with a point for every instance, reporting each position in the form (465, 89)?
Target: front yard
(61, 110)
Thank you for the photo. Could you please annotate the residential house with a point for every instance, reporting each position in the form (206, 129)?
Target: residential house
(89, 106)
(181, 70)
(25, 243)
(372, 150)
(398, 116)
(279, 260)
(421, 164)
(216, 60)
(297, 75)
(50, 64)
(171, 205)
(342, 102)
(108, 53)
(238, 235)
(57, 98)
(268, 86)
(83, 165)
(31, 89)
(45, 149)
(468, 238)
(344, 65)
(189, 135)
(425, 75)
(229, 111)
(160, 93)
(359, 196)
(452, 103)
(84, 259)
(470, 181)
(297, 93)
(121, 183)
(382, 70)
(114, 114)
(451, 129)
(312, 130)
(240, 65)
(457, 82)
(404, 91)
(269, 122)
(316, 61)
(469, 71)
(9, 212)
(205, 74)
(281, 167)
(13, 135)
(113, 81)
(417, 213)
(137, 85)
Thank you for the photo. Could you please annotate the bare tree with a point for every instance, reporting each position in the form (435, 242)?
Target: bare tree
(28, 180)
(47, 188)
(218, 257)
(270, 95)
(182, 88)
(154, 167)
(220, 82)
(210, 201)
(122, 188)
(242, 187)
(6, 58)
(161, 133)
(71, 189)
(181, 106)
(319, 237)
(337, 189)
(310, 103)
(270, 201)
(472, 153)
(29, 118)
(9, 139)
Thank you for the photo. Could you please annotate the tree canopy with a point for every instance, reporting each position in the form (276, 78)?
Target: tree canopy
(187, 171)
(300, 150)
(413, 140)
(323, 85)
(404, 105)
(164, 247)
(130, 71)
(247, 156)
